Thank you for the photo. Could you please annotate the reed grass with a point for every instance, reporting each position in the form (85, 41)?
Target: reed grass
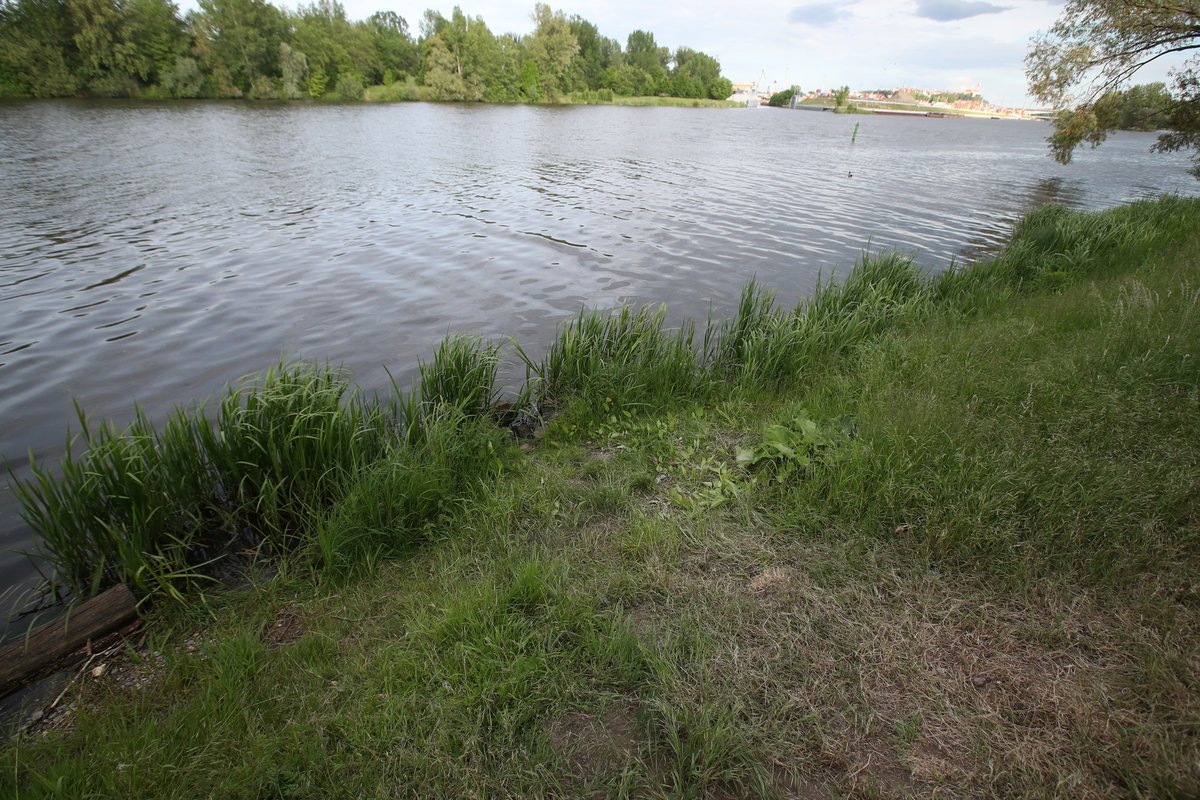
(152, 507)
(462, 374)
(394, 502)
(621, 359)
(146, 506)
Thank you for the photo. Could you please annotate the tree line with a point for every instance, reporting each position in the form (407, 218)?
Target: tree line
(253, 49)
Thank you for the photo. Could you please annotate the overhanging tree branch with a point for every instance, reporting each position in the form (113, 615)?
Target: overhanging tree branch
(1099, 46)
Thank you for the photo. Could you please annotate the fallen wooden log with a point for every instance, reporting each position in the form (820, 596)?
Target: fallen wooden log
(85, 622)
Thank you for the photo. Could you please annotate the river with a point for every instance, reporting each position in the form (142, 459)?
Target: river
(154, 252)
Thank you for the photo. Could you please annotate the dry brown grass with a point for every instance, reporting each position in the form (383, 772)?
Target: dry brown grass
(892, 682)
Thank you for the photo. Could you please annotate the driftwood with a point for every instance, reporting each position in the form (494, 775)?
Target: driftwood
(84, 623)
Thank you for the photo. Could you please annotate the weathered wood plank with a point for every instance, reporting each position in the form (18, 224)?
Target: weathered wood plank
(87, 621)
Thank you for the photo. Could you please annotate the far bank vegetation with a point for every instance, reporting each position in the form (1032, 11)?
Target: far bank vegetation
(255, 50)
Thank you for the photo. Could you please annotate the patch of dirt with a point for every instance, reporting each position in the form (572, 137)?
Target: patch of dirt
(645, 622)
(286, 628)
(793, 786)
(596, 746)
(118, 662)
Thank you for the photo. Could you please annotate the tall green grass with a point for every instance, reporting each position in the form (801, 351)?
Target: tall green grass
(1053, 246)
(392, 504)
(462, 374)
(146, 506)
(624, 358)
(629, 358)
(150, 506)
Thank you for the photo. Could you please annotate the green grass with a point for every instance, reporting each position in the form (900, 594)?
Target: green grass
(679, 102)
(917, 536)
(153, 508)
(410, 91)
(407, 90)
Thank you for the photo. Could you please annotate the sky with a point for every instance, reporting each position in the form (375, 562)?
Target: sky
(930, 44)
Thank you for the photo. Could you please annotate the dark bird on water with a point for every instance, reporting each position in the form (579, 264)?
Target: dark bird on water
(849, 174)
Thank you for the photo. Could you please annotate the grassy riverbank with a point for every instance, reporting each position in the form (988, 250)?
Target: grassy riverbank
(915, 537)
(410, 91)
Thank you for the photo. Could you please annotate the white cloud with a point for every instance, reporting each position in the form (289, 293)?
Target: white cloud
(951, 10)
(818, 15)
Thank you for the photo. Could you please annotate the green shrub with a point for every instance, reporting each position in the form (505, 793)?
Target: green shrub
(349, 87)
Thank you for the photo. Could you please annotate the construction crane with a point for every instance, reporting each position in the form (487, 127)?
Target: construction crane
(758, 84)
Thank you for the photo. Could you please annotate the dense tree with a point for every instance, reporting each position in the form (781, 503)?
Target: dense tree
(395, 49)
(1138, 108)
(1095, 48)
(293, 69)
(331, 42)
(784, 98)
(107, 59)
(552, 47)
(217, 82)
(643, 54)
(698, 75)
(840, 96)
(459, 56)
(37, 48)
(596, 54)
(157, 34)
(246, 35)
(184, 79)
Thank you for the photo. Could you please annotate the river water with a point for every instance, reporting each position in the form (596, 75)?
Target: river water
(152, 253)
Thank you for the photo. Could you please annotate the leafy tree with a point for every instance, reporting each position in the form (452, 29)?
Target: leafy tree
(530, 82)
(316, 83)
(394, 46)
(293, 68)
(698, 75)
(552, 47)
(840, 96)
(245, 35)
(587, 68)
(444, 71)
(784, 98)
(1095, 48)
(1145, 107)
(184, 79)
(218, 82)
(156, 33)
(252, 48)
(505, 72)
(349, 87)
(263, 88)
(461, 59)
(107, 59)
(37, 49)
(644, 54)
(432, 23)
(330, 41)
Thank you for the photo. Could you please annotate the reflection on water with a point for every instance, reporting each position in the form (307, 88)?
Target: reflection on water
(154, 252)
(1035, 193)
(1056, 190)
